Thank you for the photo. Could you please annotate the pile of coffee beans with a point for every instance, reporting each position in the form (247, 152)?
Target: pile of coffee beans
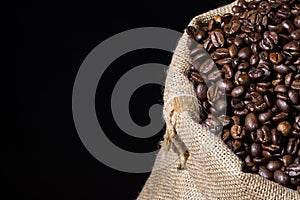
(256, 50)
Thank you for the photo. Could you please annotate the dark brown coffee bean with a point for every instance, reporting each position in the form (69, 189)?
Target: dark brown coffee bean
(282, 105)
(236, 120)
(211, 24)
(280, 88)
(196, 77)
(201, 91)
(267, 154)
(224, 85)
(264, 172)
(237, 132)
(254, 37)
(263, 117)
(284, 127)
(253, 60)
(295, 35)
(288, 79)
(224, 61)
(225, 135)
(287, 160)
(255, 73)
(244, 53)
(263, 135)
(273, 165)
(283, 97)
(238, 42)
(283, 69)
(234, 145)
(232, 27)
(296, 85)
(295, 180)
(297, 21)
(248, 161)
(280, 177)
(293, 170)
(236, 92)
(276, 136)
(294, 96)
(243, 79)
(255, 149)
(259, 161)
(291, 46)
(251, 122)
(280, 117)
(292, 146)
(243, 66)
(228, 71)
(217, 39)
(222, 52)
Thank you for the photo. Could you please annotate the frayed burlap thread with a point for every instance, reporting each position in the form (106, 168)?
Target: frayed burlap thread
(194, 163)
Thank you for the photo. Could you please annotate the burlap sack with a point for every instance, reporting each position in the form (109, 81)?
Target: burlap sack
(210, 169)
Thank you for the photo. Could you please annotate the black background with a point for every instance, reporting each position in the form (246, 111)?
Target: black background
(49, 161)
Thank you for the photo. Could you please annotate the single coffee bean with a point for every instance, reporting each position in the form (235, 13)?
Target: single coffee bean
(284, 127)
(234, 145)
(297, 21)
(253, 60)
(251, 122)
(280, 177)
(237, 132)
(263, 117)
(263, 134)
(228, 71)
(244, 53)
(280, 88)
(283, 69)
(267, 154)
(217, 39)
(201, 91)
(255, 149)
(295, 85)
(273, 165)
(264, 172)
(287, 160)
(233, 50)
(275, 57)
(293, 170)
(283, 105)
(295, 35)
(280, 117)
(292, 146)
(294, 96)
(276, 136)
(236, 92)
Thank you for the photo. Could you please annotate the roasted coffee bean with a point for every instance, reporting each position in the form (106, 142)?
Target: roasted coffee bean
(237, 132)
(201, 91)
(284, 127)
(244, 53)
(232, 27)
(280, 88)
(275, 57)
(243, 66)
(225, 135)
(253, 60)
(293, 170)
(295, 35)
(296, 85)
(263, 135)
(255, 149)
(228, 71)
(267, 154)
(234, 145)
(283, 69)
(238, 91)
(264, 172)
(297, 21)
(287, 160)
(263, 117)
(280, 177)
(276, 136)
(217, 39)
(283, 105)
(292, 146)
(255, 73)
(294, 96)
(196, 77)
(280, 117)
(251, 122)
(243, 79)
(273, 165)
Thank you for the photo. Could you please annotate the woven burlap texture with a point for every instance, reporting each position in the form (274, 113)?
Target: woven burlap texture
(211, 170)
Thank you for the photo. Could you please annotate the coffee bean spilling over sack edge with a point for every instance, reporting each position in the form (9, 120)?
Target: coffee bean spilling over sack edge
(256, 50)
